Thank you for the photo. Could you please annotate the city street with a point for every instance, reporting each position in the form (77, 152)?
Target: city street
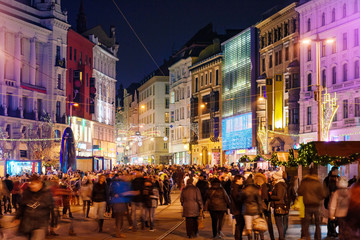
(169, 224)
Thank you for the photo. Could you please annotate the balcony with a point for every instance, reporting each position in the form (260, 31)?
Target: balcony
(60, 62)
(61, 119)
(10, 83)
(29, 115)
(13, 113)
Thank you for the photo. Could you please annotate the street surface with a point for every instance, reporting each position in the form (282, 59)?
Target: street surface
(169, 224)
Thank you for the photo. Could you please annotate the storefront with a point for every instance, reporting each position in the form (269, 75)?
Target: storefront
(84, 164)
(20, 167)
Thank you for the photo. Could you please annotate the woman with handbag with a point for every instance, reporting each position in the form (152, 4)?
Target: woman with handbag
(278, 198)
(191, 201)
(217, 203)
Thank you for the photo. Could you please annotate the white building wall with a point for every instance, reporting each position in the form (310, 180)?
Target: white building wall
(340, 20)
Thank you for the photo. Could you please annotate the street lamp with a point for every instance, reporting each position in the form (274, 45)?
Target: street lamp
(71, 104)
(308, 41)
(266, 150)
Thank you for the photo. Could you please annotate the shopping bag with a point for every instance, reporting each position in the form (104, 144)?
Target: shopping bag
(301, 207)
(260, 224)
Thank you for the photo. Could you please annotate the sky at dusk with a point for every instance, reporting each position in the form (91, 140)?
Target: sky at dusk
(163, 26)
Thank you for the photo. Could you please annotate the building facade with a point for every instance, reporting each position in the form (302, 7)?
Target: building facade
(206, 106)
(278, 85)
(239, 74)
(339, 66)
(33, 40)
(154, 118)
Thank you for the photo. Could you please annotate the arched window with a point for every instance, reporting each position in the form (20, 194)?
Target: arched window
(333, 75)
(309, 82)
(323, 77)
(309, 25)
(345, 72)
(333, 15)
(344, 10)
(323, 19)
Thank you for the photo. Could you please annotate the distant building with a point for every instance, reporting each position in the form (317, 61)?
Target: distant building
(180, 94)
(338, 20)
(239, 74)
(154, 118)
(278, 85)
(33, 39)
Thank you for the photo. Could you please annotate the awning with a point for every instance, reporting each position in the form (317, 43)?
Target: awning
(341, 149)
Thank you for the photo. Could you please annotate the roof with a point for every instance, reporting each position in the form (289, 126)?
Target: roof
(334, 149)
(102, 36)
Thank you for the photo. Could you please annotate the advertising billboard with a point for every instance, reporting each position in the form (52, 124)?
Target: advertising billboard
(237, 132)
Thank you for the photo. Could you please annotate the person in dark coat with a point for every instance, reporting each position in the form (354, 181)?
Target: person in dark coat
(191, 201)
(100, 196)
(330, 186)
(203, 186)
(278, 201)
(217, 203)
(137, 185)
(313, 193)
(9, 185)
(252, 204)
(34, 211)
(166, 190)
(236, 205)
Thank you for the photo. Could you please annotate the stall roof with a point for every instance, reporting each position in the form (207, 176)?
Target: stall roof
(333, 149)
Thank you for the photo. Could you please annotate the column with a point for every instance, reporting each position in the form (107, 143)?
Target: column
(32, 61)
(17, 61)
(2, 55)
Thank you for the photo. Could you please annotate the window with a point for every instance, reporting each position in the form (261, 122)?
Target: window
(345, 109)
(345, 72)
(333, 15)
(357, 107)
(167, 88)
(356, 37)
(59, 83)
(344, 10)
(165, 146)
(295, 49)
(323, 19)
(309, 52)
(206, 75)
(323, 77)
(276, 58)
(202, 80)
(58, 109)
(294, 28)
(309, 82)
(70, 53)
(70, 75)
(356, 7)
(344, 41)
(167, 103)
(270, 61)
(23, 153)
(335, 117)
(87, 104)
(295, 116)
(287, 54)
(334, 47)
(333, 71)
(309, 25)
(210, 77)
(87, 79)
(356, 69)
(166, 117)
(308, 115)
(58, 52)
(263, 64)
(205, 133)
(217, 77)
(323, 49)
(74, 54)
(196, 84)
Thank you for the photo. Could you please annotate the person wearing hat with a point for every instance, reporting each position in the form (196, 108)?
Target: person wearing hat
(313, 193)
(34, 211)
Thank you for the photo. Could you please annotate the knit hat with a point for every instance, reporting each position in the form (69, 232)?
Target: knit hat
(278, 175)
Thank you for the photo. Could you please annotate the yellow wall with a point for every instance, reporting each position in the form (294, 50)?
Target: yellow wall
(279, 101)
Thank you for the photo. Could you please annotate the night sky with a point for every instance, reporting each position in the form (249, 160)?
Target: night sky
(163, 26)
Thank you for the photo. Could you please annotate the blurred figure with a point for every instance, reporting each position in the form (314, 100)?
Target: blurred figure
(9, 185)
(339, 205)
(352, 181)
(86, 193)
(35, 207)
(236, 205)
(330, 186)
(353, 217)
(191, 201)
(99, 197)
(137, 185)
(217, 204)
(313, 193)
(15, 194)
(151, 196)
(203, 186)
(66, 195)
(167, 190)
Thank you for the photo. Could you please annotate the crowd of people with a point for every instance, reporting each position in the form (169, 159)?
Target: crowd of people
(253, 197)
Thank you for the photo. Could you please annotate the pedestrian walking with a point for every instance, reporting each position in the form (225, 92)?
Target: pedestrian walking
(313, 193)
(137, 185)
(100, 195)
(150, 196)
(192, 204)
(217, 204)
(330, 185)
(86, 193)
(236, 205)
(9, 185)
(339, 205)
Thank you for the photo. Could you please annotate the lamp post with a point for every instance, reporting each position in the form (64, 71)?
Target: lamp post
(266, 150)
(71, 104)
(318, 84)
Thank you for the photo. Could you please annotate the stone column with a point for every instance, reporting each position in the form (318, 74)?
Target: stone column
(17, 61)
(2, 55)
(32, 61)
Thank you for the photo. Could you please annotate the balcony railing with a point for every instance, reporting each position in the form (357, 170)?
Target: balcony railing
(60, 62)
(61, 119)
(29, 115)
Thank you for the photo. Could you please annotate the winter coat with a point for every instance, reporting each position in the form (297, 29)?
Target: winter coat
(34, 211)
(86, 192)
(150, 196)
(251, 200)
(138, 185)
(116, 190)
(312, 190)
(278, 195)
(100, 192)
(203, 186)
(339, 203)
(330, 187)
(191, 201)
(217, 198)
(235, 196)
